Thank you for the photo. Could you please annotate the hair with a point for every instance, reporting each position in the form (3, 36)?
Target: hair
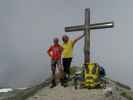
(56, 40)
(64, 37)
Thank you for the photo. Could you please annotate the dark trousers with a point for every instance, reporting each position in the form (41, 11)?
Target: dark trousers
(54, 64)
(66, 64)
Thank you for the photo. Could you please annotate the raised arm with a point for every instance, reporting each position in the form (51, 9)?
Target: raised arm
(78, 38)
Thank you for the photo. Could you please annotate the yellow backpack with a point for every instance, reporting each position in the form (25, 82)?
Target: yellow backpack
(91, 75)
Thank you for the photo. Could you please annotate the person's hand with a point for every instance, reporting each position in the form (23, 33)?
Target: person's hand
(50, 54)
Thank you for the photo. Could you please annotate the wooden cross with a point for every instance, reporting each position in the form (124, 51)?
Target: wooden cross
(86, 28)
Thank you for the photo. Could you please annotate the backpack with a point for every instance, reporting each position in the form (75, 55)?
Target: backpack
(91, 75)
(102, 72)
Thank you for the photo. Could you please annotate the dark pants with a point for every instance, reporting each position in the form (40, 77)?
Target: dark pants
(66, 65)
(54, 64)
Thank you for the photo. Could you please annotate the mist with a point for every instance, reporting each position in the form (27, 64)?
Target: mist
(27, 28)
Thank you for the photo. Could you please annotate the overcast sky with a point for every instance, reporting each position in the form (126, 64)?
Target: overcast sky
(28, 26)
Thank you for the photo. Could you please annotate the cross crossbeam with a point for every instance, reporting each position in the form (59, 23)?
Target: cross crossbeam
(92, 26)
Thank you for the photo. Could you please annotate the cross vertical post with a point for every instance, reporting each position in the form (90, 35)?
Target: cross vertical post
(87, 36)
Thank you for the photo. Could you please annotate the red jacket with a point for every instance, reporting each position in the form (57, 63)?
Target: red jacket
(55, 51)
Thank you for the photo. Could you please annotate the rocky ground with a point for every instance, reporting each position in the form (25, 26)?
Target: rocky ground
(111, 92)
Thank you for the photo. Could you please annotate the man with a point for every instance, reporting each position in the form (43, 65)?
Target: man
(68, 46)
(55, 51)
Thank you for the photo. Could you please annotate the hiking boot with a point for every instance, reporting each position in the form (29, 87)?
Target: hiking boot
(53, 82)
(65, 84)
(53, 85)
(62, 84)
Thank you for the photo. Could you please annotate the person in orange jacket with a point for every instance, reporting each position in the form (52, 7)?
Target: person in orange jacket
(55, 52)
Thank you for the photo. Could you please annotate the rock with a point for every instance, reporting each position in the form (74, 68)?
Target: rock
(108, 91)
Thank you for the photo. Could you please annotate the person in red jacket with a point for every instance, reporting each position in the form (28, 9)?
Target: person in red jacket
(55, 52)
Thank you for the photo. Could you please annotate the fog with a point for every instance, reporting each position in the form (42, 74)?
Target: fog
(27, 28)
